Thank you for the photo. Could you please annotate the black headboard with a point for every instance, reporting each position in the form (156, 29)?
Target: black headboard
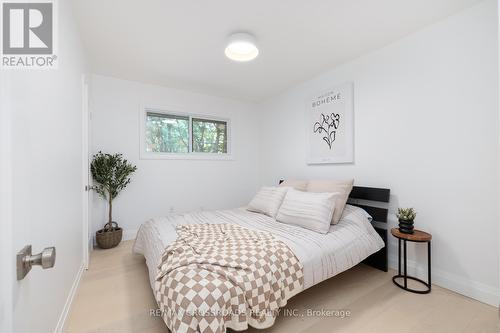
(370, 193)
(360, 195)
(375, 202)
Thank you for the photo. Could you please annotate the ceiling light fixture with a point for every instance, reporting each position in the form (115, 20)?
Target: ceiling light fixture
(241, 47)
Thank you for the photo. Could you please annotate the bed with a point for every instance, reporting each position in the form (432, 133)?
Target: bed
(321, 256)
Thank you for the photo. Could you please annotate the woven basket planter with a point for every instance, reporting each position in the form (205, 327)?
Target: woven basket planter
(109, 237)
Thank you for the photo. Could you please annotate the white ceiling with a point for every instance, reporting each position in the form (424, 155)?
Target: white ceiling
(181, 43)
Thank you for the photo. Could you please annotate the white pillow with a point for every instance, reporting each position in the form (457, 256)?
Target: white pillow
(268, 200)
(308, 210)
(344, 187)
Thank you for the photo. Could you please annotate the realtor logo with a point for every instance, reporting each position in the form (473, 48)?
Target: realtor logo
(28, 34)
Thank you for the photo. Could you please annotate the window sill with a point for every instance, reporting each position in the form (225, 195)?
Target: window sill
(191, 156)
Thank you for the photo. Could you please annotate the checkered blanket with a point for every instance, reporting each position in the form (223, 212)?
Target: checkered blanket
(216, 276)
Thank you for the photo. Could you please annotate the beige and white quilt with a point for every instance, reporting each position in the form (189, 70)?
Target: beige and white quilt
(215, 276)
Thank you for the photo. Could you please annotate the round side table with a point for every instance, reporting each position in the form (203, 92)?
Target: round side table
(419, 237)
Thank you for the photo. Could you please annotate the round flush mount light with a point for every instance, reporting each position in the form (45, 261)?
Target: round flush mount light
(241, 47)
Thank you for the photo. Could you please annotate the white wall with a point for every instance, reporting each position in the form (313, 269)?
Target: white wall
(426, 126)
(160, 186)
(46, 174)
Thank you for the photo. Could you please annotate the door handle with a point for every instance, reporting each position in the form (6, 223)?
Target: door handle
(25, 260)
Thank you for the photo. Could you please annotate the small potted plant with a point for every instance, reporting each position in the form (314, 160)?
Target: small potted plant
(111, 172)
(406, 217)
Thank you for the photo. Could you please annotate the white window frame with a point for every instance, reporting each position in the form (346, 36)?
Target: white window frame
(145, 155)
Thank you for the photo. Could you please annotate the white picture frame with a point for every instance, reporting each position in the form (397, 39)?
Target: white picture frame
(330, 125)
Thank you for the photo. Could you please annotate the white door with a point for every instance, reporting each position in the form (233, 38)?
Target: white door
(6, 253)
(41, 196)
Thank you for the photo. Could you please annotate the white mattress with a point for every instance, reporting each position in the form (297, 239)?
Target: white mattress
(345, 245)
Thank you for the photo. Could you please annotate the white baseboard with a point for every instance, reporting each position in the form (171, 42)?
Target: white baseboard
(69, 300)
(129, 234)
(473, 289)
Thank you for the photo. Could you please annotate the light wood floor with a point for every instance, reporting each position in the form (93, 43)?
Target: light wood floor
(115, 296)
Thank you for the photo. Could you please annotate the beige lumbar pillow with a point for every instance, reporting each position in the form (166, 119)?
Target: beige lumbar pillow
(308, 210)
(268, 200)
(300, 185)
(343, 187)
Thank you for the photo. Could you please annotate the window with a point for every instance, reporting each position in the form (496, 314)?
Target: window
(209, 136)
(169, 134)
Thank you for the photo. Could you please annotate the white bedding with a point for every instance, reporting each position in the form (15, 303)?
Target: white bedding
(322, 255)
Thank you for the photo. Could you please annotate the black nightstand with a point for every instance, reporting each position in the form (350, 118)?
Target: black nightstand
(419, 237)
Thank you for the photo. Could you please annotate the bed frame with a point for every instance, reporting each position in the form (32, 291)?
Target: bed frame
(375, 202)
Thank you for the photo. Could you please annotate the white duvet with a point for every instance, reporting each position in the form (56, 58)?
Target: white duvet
(322, 255)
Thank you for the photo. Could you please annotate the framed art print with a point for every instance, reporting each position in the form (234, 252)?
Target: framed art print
(330, 126)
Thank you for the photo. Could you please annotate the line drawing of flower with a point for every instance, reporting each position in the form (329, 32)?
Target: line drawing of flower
(328, 127)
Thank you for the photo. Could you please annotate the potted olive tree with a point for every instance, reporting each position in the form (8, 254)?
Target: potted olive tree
(111, 172)
(406, 217)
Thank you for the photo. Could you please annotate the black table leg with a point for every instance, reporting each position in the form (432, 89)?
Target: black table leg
(405, 274)
(429, 264)
(399, 256)
(405, 270)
